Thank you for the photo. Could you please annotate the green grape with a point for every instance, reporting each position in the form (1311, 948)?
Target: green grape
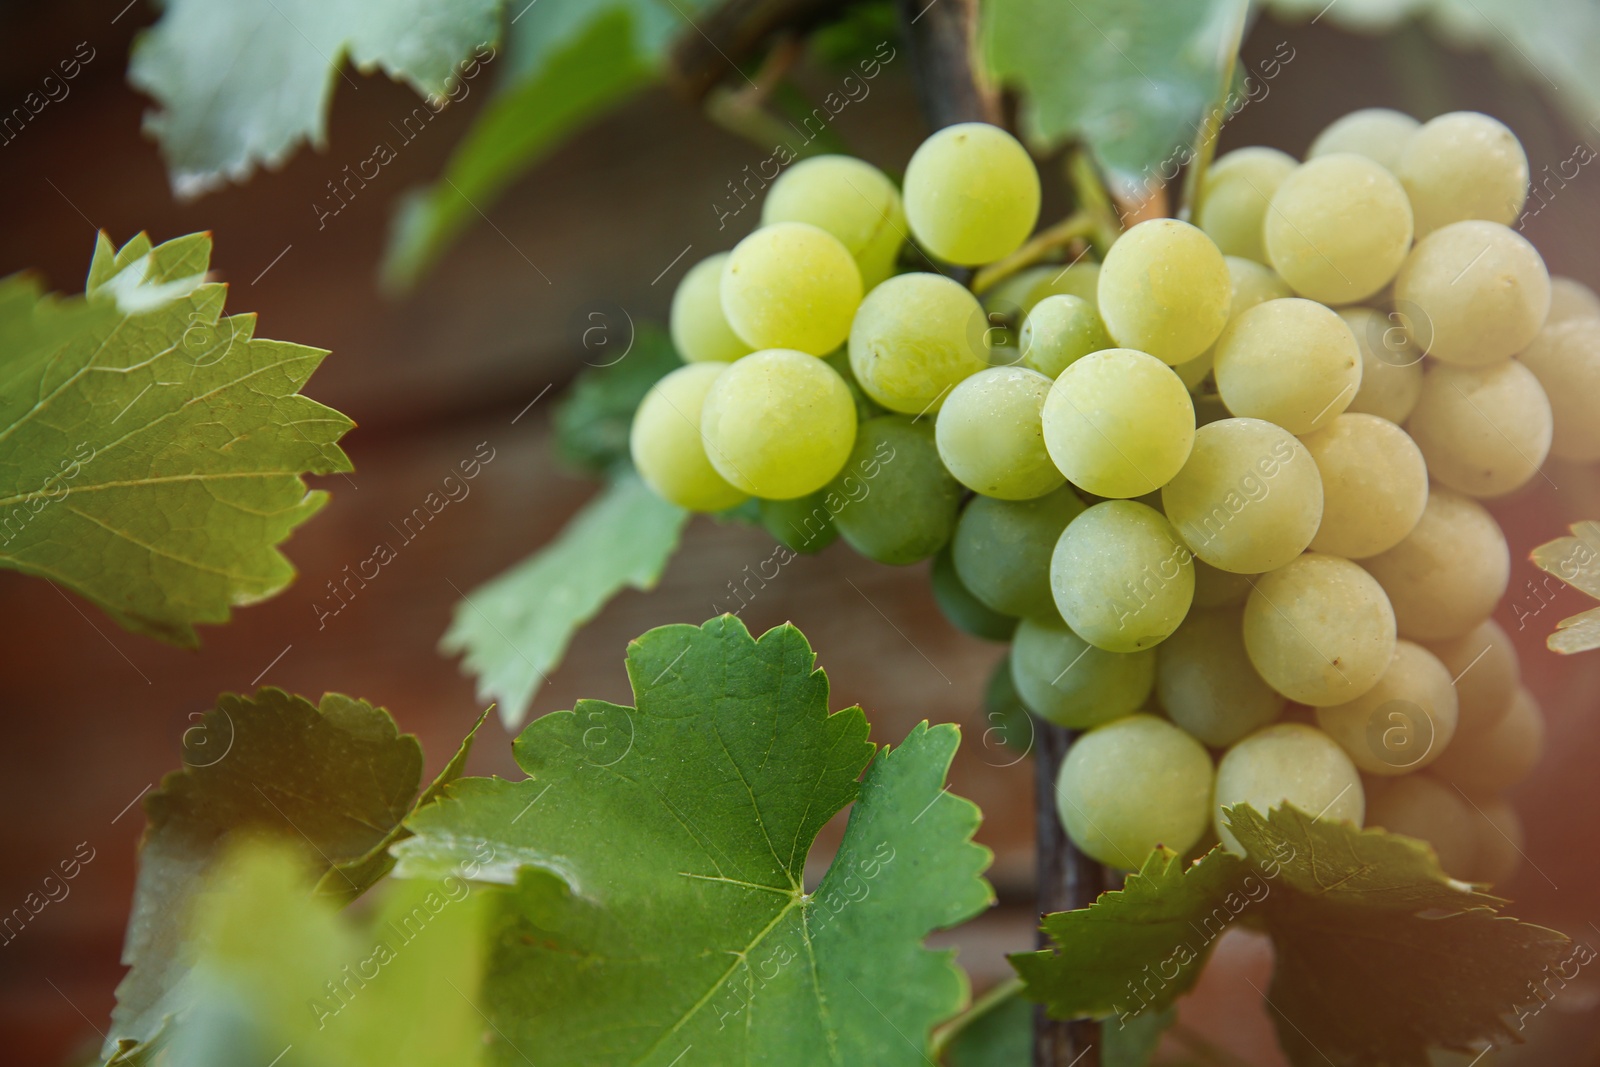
(1002, 549)
(791, 285)
(990, 435)
(1501, 756)
(1234, 197)
(1565, 357)
(1287, 763)
(1121, 578)
(901, 501)
(971, 194)
(966, 612)
(665, 441)
(1249, 499)
(778, 424)
(1118, 423)
(1463, 165)
(1130, 785)
(1063, 678)
(1379, 133)
(1338, 228)
(849, 198)
(1483, 662)
(1252, 284)
(1009, 296)
(802, 524)
(700, 331)
(1391, 366)
(866, 407)
(1571, 299)
(1320, 630)
(1500, 839)
(1080, 279)
(1292, 362)
(1059, 331)
(1484, 430)
(1206, 683)
(1449, 572)
(1214, 588)
(1474, 293)
(1421, 807)
(1403, 723)
(915, 338)
(1374, 485)
(1164, 289)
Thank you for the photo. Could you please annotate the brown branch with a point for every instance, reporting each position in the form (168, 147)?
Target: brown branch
(732, 33)
(939, 39)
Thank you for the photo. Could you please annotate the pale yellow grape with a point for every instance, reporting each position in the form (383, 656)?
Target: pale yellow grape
(1234, 198)
(1571, 299)
(1374, 485)
(665, 441)
(1214, 588)
(1130, 785)
(1499, 757)
(1164, 289)
(1500, 839)
(1473, 293)
(1338, 228)
(778, 424)
(1206, 683)
(1403, 723)
(1427, 809)
(849, 198)
(1449, 572)
(1249, 499)
(1121, 578)
(1292, 362)
(1565, 357)
(1484, 430)
(1320, 630)
(1484, 664)
(1252, 284)
(915, 338)
(1080, 279)
(791, 285)
(700, 331)
(1118, 423)
(1059, 331)
(1391, 366)
(1379, 133)
(1063, 678)
(1289, 763)
(971, 194)
(1463, 165)
(990, 435)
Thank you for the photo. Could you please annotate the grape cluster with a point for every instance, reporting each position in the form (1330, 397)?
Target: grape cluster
(1221, 494)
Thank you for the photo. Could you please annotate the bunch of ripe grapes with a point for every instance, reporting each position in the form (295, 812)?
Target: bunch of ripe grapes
(1221, 494)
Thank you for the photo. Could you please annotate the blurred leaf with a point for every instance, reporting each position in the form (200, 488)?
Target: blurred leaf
(1001, 1036)
(593, 418)
(1576, 561)
(152, 451)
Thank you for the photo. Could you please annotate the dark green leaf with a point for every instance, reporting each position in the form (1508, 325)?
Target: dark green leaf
(593, 418)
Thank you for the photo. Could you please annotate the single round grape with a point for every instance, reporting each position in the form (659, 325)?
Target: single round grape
(1002, 549)
(966, 612)
(991, 437)
(1118, 423)
(1565, 358)
(1289, 763)
(1130, 785)
(1374, 485)
(1121, 578)
(1421, 807)
(1484, 430)
(971, 194)
(1473, 293)
(700, 331)
(1164, 289)
(1214, 588)
(1391, 366)
(1059, 331)
(915, 338)
(1206, 683)
(1292, 362)
(1063, 678)
(1320, 630)
(1571, 299)
(849, 198)
(1249, 499)
(1500, 838)
(1463, 165)
(1338, 228)
(791, 285)
(1403, 723)
(1379, 133)
(1499, 757)
(778, 424)
(1483, 662)
(1234, 197)
(899, 502)
(802, 524)
(1080, 279)
(665, 441)
(1449, 572)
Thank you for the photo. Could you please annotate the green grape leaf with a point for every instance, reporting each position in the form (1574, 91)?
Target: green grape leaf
(242, 84)
(658, 857)
(1576, 561)
(594, 417)
(152, 450)
(515, 628)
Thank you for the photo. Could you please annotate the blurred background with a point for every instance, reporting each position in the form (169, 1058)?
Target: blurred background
(598, 236)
